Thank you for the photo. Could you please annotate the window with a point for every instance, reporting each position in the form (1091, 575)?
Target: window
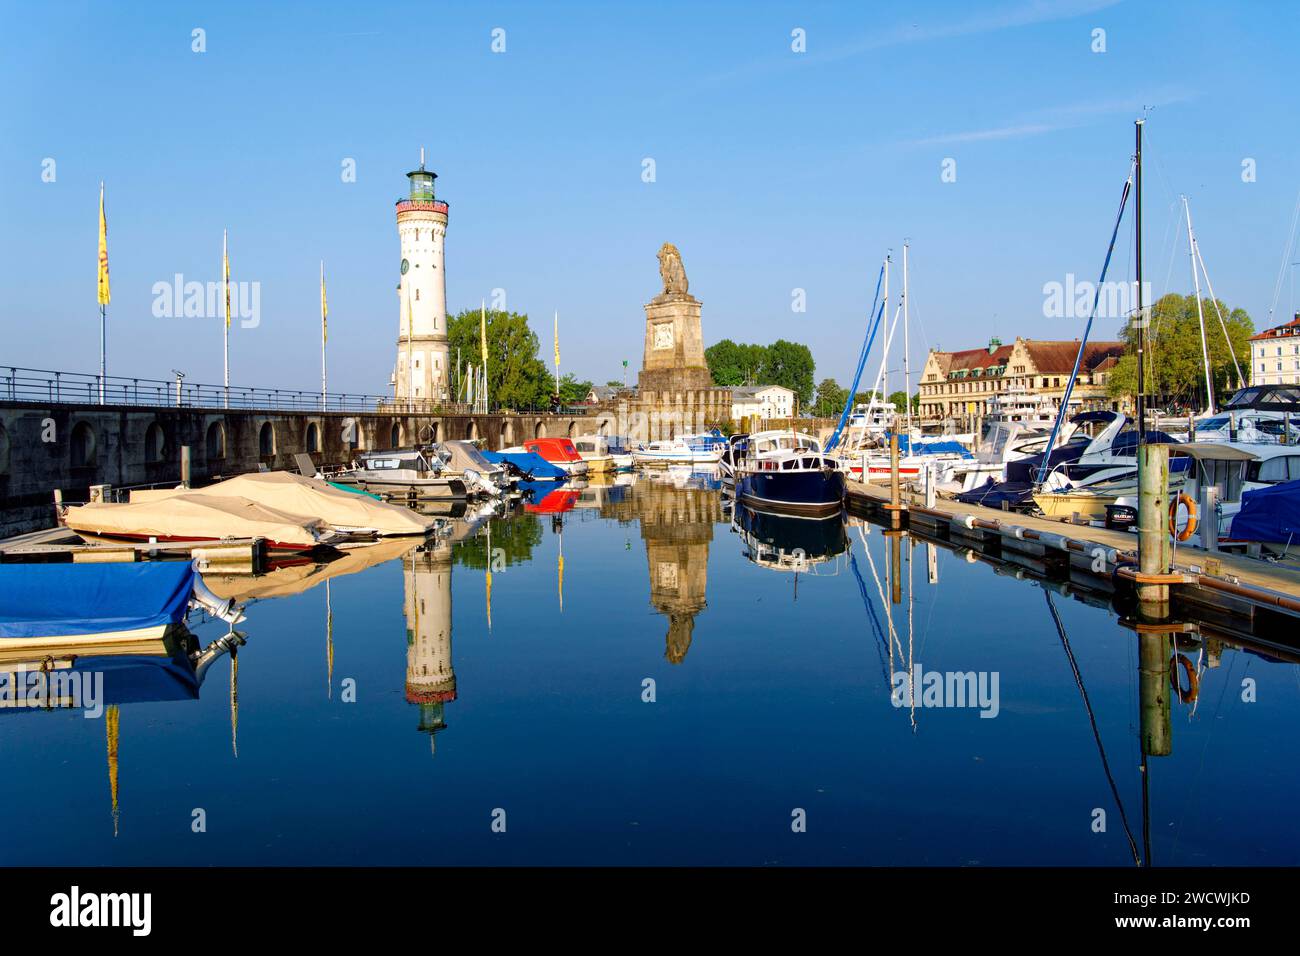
(1282, 468)
(154, 442)
(266, 440)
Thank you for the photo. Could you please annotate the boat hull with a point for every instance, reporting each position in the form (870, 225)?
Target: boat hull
(812, 493)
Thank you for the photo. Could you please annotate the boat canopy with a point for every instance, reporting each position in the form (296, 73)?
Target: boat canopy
(466, 457)
(309, 497)
(70, 600)
(1270, 398)
(197, 517)
(529, 463)
(1268, 514)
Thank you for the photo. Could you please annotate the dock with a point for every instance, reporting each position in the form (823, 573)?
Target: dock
(1218, 581)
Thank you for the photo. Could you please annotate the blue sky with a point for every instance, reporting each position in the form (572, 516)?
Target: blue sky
(775, 170)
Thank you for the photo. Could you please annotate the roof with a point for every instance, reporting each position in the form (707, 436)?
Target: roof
(752, 391)
(604, 392)
(1279, 331)
(1057, 358)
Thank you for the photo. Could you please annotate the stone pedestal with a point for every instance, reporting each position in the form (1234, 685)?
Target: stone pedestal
(674, 345)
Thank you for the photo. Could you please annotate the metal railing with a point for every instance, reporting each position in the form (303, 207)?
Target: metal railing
(75, 388)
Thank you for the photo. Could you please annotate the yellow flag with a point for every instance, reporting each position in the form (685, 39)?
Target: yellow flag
(557, 342)
(324, 311)
(482, 332)
(104, 295)
(225, 274)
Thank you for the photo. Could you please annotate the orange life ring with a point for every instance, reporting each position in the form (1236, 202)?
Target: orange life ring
(1193, 518)
(1193, 683)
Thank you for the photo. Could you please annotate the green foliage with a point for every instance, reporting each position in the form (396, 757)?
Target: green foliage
(789, 364)
(733, 364)
(899, 401)
(830, 399)
(516, 537)
(1175, 369)
(572, 391)
(517, 378)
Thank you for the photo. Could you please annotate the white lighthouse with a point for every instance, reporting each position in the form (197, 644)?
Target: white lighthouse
(422, 371)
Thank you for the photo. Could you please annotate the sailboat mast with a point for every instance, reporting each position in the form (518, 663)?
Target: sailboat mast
(1200, 312)
(907, 378)
(884, 358)
(1141, 305)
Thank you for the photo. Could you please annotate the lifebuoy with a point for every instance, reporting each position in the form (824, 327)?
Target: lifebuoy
(1193, 518)
(1193, 683)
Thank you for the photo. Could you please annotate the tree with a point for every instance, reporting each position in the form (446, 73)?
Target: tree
(830, 399)
(791, 365)
(514, 539)
(899, 401)
(517, 378)
(573, 391)
(733, 364)
(1176, 369)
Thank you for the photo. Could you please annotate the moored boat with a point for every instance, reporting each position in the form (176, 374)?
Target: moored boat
(787, 471)
(559, 452)
(403, 473)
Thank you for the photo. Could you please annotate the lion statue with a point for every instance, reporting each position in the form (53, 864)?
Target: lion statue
(671, 270)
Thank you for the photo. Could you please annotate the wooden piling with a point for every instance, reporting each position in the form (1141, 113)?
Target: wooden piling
(1154, 652)
(1153, 532)
(186, 465)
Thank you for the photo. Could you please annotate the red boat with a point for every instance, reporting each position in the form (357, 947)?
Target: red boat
(559, 452)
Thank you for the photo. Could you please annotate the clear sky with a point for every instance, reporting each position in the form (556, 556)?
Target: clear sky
(774, 170)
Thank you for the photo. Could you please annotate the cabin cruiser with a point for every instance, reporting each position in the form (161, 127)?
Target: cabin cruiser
(785, 471)
(558, 451)
(915, 456)
(1002, 442)
(1018, 406)
(594, 450)
(403, 472)
(703, 448)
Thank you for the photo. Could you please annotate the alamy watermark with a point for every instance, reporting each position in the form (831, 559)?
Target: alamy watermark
(922, 688)
(1074, 298)
(179, 299)
(57, 689)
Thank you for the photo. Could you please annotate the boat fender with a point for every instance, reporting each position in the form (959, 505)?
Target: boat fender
(1188, 695)
(1193, 518)
(968, 522)
(1018, 532)
(1053, 540)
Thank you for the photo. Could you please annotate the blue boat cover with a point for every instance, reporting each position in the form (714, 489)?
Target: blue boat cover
(933, 446)
(1268, 514)
(530, 463)
(56, 600)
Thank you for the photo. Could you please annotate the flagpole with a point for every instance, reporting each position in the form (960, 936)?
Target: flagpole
(102, 294)
(324, 391)
(482, 328)
(557, 354)
(225, 332)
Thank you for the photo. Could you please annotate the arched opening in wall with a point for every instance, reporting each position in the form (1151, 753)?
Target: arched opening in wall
(395, 435)
(82, 445)
(313, 438)
(540, 430)
(473, 430)
(352, 433)
(603, 427)
(573, 429)
(266, 440)
(508, 433)
(436, 431)
(216, 441)
(154, 442)
(4, 451)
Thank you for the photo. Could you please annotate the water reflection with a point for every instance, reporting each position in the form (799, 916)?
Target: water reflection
(1099, 711)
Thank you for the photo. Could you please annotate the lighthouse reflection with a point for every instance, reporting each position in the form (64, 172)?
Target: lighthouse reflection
(426, 605)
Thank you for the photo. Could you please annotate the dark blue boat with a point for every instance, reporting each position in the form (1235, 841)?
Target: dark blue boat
(787, 471)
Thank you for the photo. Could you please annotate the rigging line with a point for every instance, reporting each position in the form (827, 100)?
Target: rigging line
(884, 601)
(1083, 342)
(1092, 720)
(877, 630)
(1286, 257)
(873, 326)
(1222, 324)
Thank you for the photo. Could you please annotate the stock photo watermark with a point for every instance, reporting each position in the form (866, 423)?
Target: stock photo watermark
(947, 689)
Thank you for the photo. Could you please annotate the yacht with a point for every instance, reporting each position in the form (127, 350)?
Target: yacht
(786, 471)
(705, 448)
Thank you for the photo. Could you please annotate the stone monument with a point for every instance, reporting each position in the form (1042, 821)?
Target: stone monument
(676, 394)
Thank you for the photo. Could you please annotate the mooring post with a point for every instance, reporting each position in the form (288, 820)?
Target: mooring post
(1155, 651)
(1153, 533)
(896, 565)
(895, 493)
(186, 465)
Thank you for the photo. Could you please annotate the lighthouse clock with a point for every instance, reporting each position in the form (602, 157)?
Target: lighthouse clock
(422, 371)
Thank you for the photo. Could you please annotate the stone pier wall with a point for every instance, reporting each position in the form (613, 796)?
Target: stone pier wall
(71, 447)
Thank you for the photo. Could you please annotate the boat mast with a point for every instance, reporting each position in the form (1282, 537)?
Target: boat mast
(1141, 322)
(1200, 312)
(907, 381)
(884, 358)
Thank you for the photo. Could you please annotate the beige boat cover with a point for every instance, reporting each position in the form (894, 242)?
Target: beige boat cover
(195, 516)
(294, 494)
(285, 582)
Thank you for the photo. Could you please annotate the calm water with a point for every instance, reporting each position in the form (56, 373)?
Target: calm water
(771, 696)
